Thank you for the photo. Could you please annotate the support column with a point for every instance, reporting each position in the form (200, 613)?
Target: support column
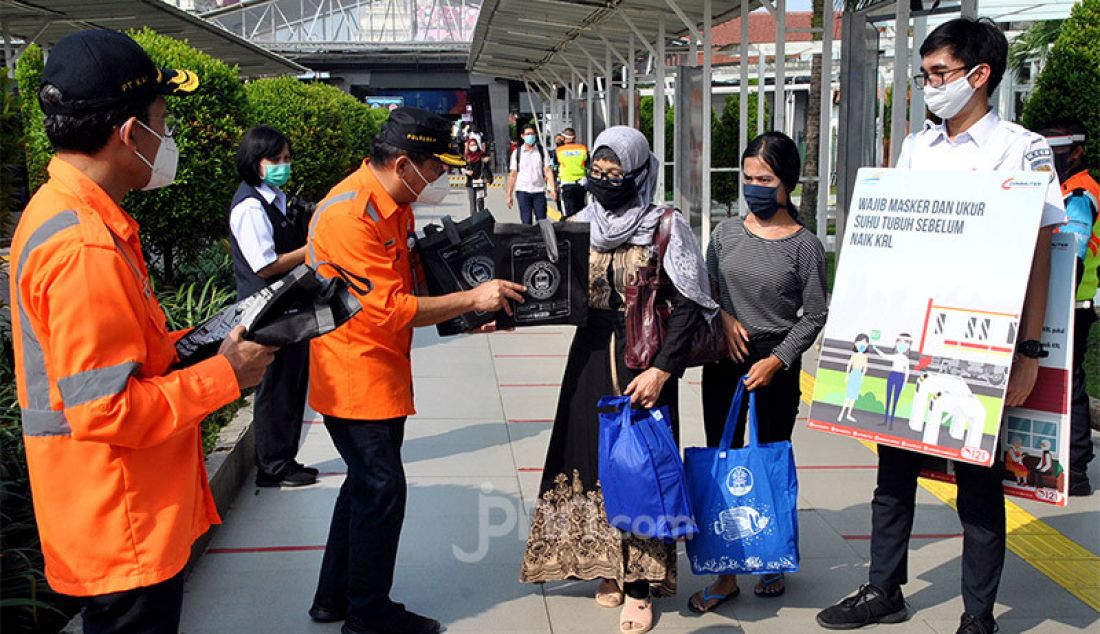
(589, 85)
(708, 52)
(659, 105)
(780, 113)
(825, 135)
(969, 8)
(901, 80)
(630, 84)
(761, 83)
(608, 92)
(916, 104)
(743, 124)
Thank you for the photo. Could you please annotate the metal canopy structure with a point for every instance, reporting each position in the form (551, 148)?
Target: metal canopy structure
(520, 38)
(47, 21)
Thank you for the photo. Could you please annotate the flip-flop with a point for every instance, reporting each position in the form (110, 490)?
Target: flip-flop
(609, 599)
(707, 597)
(766, 582)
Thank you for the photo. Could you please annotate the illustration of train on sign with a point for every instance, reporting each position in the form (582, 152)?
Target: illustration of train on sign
(970, 344)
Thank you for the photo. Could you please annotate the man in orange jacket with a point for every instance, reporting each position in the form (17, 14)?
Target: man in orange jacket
(360, 375)
(111, 430)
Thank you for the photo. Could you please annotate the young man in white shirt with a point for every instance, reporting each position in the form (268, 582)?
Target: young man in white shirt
(530, 174)
(962, 62)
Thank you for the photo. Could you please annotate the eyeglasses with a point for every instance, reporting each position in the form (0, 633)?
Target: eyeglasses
(935, 79)
(171, 124)
(615, 178)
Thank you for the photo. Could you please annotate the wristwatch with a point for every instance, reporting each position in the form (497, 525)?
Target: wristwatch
(1031, 349)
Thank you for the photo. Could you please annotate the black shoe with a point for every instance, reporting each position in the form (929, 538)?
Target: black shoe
(292, 477)
(404, 622)
(975, 625)
(869, 605)
(321, 614)
(310, 470)
(1079, 483)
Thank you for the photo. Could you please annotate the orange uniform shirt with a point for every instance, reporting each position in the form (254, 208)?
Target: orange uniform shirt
(112, 435)
(362, 370)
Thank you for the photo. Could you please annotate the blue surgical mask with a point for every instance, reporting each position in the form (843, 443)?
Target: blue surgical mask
(530, 139)
(861, 347)
(277, 174)
(762, 200)
(902, 346)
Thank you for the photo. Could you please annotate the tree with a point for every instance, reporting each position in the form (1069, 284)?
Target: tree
(810, 168)
(726, 147)
(1033, 44)
(1069, 85)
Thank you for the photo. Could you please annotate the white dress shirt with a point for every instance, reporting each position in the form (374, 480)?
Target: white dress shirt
(989, 144)
(252, 228)
(531, 177)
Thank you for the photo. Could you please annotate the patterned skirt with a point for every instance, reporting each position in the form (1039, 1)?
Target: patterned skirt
(570, 536)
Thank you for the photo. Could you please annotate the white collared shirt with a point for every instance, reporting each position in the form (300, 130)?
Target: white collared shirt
(989, 144)
(531, 177)
(251, 227)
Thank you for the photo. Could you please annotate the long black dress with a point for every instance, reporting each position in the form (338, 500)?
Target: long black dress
(570, 536)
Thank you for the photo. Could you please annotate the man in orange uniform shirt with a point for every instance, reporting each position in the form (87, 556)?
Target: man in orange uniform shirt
(111, 430)
(360, 375)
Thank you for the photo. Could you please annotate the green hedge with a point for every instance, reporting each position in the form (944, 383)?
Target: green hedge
(329, 129)
(1069, 85)
(28, 73)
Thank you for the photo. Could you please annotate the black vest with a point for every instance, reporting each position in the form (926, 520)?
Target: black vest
(287, 235)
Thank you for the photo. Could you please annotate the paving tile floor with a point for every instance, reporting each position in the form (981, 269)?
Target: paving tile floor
(473, 454)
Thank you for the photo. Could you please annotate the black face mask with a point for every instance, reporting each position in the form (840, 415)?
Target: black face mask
(614, 195)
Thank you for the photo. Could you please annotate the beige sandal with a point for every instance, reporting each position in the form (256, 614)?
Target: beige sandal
(609, 594)
(636, 617)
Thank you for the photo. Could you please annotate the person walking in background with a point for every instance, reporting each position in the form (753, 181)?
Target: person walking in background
(530, 174)
(771, 275)
(962, 62)
(266, 243)
(570, 535)
(112, 431)
(572, 161)
(361, 374)
(1082, 199)
(478, 174)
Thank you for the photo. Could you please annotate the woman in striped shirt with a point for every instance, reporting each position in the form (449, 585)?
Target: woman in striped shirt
(771, 276)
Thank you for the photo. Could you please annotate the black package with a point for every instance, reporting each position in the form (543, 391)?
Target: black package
(299, 306)
(551, 260)
(457, 257)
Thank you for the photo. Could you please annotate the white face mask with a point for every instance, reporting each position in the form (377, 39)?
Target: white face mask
(164, 163)
(434, 192)
(948, 100)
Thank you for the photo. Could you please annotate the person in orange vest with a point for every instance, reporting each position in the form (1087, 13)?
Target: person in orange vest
(361, 375)
(1082, 196)
(111, 429)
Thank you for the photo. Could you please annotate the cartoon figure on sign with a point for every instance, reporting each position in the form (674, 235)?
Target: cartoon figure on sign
(857, 368)
(739, 523)
(940, 395)
(1014, 461)
(1046, 463)
(899, 375)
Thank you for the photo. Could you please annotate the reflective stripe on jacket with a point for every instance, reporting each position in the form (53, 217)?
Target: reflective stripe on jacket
(112, 435)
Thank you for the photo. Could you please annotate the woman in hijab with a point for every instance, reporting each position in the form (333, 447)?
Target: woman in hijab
(570, 535)
(478, 175)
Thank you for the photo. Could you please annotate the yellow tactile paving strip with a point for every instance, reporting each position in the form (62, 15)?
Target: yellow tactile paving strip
(1063, 560)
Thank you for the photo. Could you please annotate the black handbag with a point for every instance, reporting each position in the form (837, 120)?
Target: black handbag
(551, 260)
(457, 257)
(299, 306)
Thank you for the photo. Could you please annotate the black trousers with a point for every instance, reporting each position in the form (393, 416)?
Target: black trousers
(532, 207)
(572, 198)
(279, 407)
(776, 403)
(151, 609)
(1080, 435)
(981, 505)
(357, 569)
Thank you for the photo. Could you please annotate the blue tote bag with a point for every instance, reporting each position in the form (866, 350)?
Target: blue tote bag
(641, 473)
(745, 501)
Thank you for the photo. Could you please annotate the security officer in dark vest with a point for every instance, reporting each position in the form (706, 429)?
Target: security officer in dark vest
(266, 242)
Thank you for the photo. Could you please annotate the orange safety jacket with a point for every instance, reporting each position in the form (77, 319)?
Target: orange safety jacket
(112, 435)
(362, 370)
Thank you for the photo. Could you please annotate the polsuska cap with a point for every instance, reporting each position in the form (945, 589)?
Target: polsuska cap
(422, 132)
(98, 69)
